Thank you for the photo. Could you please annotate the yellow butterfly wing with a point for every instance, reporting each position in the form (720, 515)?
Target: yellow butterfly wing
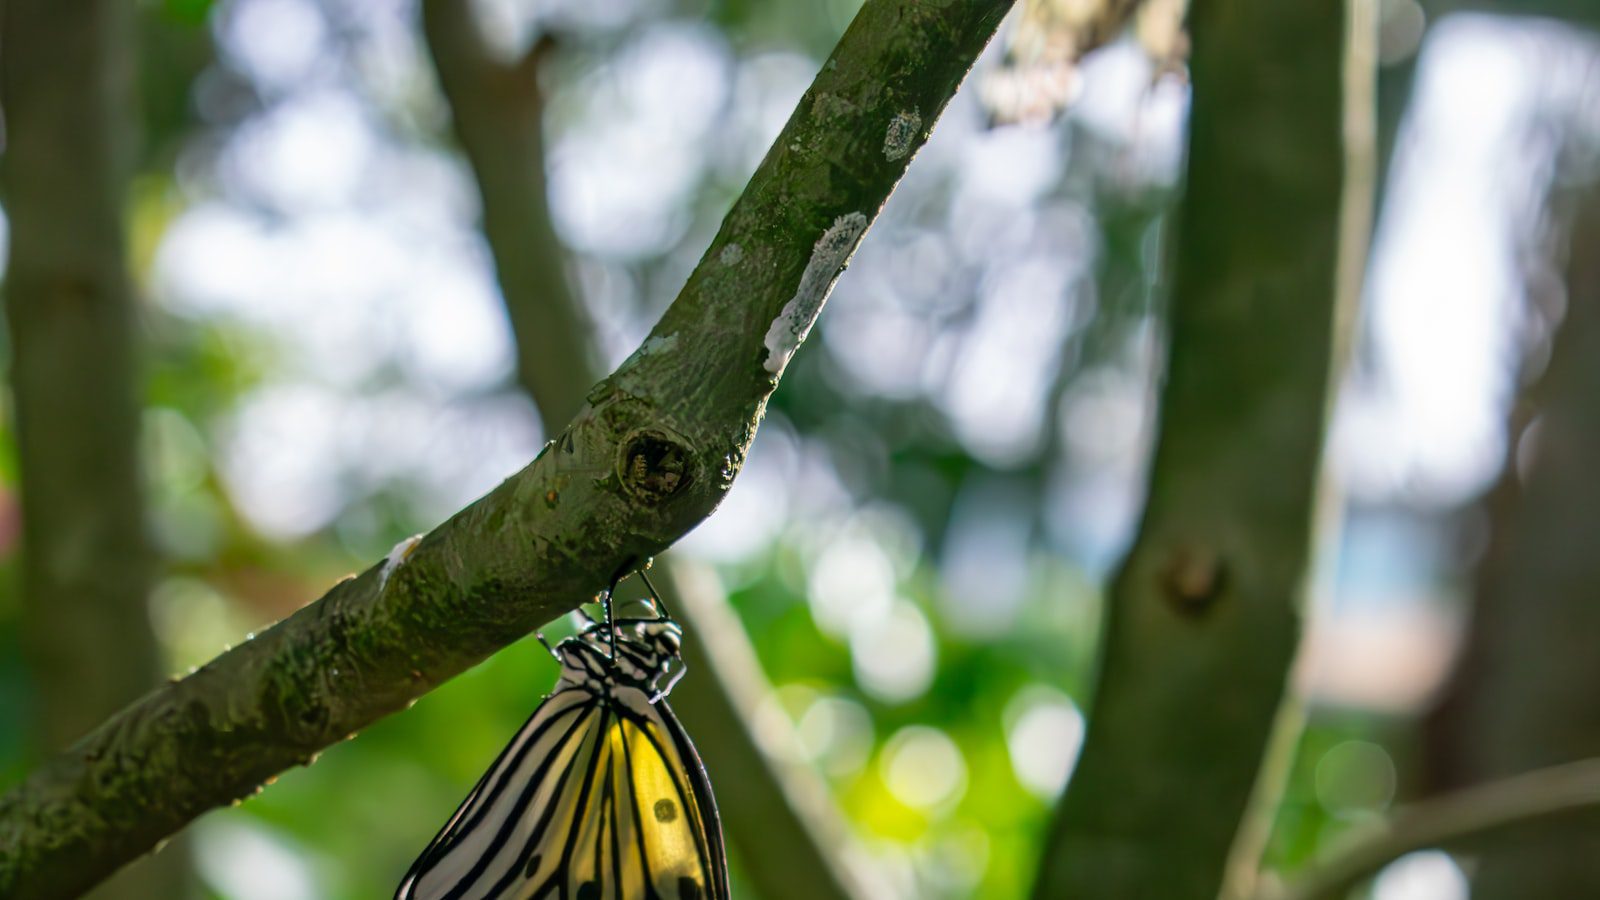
(597, 798)
(648, 827)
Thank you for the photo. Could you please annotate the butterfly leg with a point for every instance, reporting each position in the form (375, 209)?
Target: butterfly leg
(611, 622)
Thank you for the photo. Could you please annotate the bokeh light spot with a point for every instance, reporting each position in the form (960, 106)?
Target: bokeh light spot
(1044, 738)
(894, 657)
(1424, 875)
(923, 768)
(1355, 777)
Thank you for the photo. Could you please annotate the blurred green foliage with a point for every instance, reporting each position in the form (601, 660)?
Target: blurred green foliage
(352, 822)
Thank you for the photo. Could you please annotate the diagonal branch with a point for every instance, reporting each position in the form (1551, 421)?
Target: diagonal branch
(650, 455)
(779, 818)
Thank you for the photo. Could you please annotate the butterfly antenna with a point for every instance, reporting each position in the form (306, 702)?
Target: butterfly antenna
(655, 596)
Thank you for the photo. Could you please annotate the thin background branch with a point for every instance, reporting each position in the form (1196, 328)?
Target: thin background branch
(1470, 814)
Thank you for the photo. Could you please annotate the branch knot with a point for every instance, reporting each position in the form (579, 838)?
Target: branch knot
(653, 466)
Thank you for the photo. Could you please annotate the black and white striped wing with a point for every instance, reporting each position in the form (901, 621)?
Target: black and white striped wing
(594, 798)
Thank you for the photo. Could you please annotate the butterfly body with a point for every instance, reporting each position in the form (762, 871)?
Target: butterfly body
(600, 795)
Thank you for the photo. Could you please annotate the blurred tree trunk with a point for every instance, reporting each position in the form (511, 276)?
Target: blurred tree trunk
(779, 818)
(86, 560)
(1203, 618)
(1524, 693)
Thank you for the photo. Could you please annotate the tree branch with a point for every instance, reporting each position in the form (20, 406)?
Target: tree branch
(1451, 819)
(1203, 617)
(779, 818)
(650, 455)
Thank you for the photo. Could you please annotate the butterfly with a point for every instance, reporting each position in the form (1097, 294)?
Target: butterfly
(600, 796)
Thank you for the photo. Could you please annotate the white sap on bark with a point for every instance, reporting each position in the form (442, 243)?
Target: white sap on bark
(397, 555)
(828, 257)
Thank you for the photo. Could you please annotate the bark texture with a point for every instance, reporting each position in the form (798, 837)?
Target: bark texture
(649, 455)
(86, 562)
(1204, 616)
